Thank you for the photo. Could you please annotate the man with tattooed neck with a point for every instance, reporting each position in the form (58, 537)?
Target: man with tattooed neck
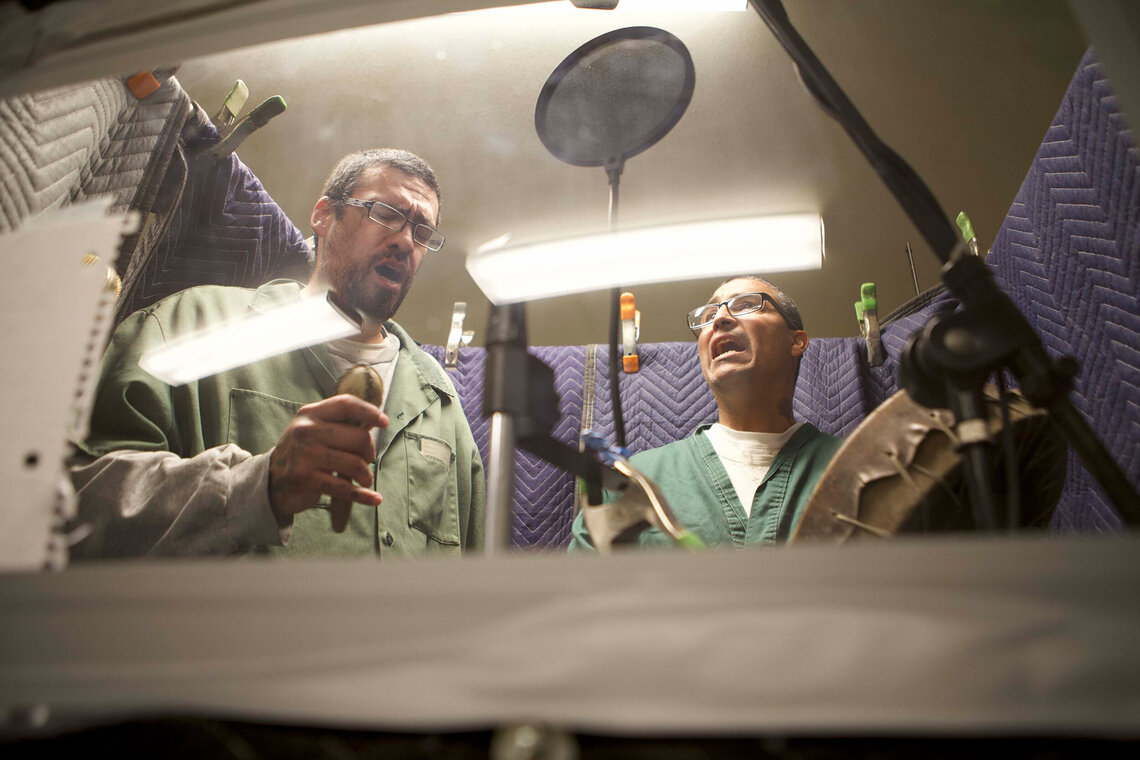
(746, 478)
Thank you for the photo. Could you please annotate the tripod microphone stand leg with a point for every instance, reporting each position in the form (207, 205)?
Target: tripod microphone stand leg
(968, 406)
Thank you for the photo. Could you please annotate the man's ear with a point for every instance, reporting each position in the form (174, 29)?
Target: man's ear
(322, 217)
(799, 342)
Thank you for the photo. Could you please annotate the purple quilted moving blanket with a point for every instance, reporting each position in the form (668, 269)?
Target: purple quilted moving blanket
(1069, 255)
(211, 223)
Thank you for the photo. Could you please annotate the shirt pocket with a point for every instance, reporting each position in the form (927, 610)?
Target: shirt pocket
(432, 503)
(257, 420)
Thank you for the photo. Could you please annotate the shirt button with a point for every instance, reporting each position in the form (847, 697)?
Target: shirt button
(388, 540)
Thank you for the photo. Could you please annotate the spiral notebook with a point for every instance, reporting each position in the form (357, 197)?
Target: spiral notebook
(55, 311)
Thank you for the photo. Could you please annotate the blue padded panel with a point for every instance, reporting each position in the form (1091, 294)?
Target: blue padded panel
(225, 230)
(1068, 255)
(662, 402)
(544, 494)
(830, 391)
(539, 485)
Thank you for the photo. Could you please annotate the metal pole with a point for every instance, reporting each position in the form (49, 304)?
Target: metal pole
(500, 485)
(505, 395)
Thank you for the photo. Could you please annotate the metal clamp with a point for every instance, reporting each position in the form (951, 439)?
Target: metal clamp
(231, 107)
(641, 505)
(630, 332)
(867, 312)
(257, 118)
(457, 337)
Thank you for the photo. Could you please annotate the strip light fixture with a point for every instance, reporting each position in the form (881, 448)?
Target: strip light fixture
(257, 336)
(626, 6)
(777, 243)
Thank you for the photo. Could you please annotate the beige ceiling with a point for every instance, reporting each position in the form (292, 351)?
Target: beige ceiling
(962, 89)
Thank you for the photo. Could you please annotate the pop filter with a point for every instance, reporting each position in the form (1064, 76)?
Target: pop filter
(609, 100)
(614, 97)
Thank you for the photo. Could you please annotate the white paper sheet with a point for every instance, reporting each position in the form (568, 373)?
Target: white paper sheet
(55, 313)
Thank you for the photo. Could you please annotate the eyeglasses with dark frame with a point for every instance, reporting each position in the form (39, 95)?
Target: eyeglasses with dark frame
(739, 305)
(394, 220)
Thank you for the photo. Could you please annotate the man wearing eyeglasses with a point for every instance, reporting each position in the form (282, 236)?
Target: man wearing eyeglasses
(746, 478)
(259, 458)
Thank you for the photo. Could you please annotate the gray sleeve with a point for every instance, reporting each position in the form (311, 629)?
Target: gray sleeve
(155, 503)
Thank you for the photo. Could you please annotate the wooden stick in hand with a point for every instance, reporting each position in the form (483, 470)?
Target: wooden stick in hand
(365, 383)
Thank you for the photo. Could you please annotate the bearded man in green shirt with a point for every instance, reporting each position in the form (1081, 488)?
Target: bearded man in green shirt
(256, 458)
(746, 478)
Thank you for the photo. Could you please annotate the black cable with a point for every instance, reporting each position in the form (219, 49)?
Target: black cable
(615, 361)
(613, 172)
(907, 187)
(1012, 474)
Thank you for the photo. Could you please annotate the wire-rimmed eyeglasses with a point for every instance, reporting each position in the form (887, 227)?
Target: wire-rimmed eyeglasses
(394, 219)
(739, 305)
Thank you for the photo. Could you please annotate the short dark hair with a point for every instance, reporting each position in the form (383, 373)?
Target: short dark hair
(787, 306)
(342, 182)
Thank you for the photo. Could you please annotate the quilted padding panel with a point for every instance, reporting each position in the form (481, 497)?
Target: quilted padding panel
(1069, 255)
(662, 402)
(223, 229)
(544, 494)
(69, 144)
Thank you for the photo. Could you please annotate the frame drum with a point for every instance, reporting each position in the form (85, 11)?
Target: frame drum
(901, 472)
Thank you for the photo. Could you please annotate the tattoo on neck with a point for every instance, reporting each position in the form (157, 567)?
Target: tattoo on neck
(785, 408)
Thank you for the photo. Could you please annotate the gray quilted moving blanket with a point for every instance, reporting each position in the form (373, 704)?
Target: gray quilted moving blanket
(204, 221)
(67, 145)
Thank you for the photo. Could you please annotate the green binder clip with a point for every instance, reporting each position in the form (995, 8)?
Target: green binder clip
(967, 230)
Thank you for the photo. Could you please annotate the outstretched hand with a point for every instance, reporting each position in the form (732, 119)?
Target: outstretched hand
(326, 449)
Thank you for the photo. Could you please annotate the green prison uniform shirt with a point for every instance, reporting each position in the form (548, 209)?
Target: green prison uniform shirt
(702, 497)
(212, 497)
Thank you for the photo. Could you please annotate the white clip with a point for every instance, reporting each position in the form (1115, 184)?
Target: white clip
(231, 107)
(457, 337)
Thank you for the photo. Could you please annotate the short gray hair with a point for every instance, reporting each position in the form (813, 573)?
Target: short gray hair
(342, 182)
(787, 306)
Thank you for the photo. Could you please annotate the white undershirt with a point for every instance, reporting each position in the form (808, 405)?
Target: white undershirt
(747, 456)
(382, 357)
(346, 353)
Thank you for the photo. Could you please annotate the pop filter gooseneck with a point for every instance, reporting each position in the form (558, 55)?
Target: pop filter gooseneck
(609, 100)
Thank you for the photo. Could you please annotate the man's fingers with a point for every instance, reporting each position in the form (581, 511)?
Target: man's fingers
(341, 489)
(346, 465)
(325, 439)
(348, 409)
(341, 507)
(313, 437)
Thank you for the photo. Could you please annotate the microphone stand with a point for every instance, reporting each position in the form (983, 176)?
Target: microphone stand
(964, 351)
(519, 399)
